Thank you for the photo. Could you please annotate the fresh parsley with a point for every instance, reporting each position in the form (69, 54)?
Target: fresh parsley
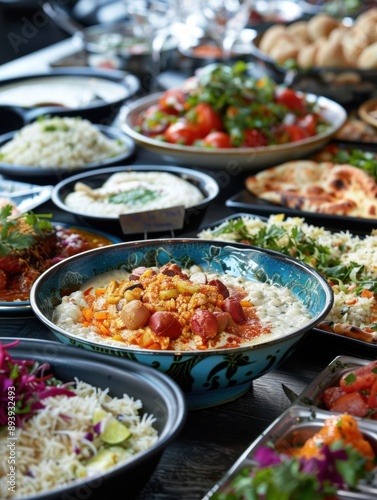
(12, 229)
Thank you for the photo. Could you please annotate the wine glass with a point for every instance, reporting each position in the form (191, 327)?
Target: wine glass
(152, 20)
(225, 20)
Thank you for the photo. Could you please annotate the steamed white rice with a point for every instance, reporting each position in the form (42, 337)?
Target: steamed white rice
(59, 142)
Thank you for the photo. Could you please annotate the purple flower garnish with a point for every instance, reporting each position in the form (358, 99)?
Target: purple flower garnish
(267, 456)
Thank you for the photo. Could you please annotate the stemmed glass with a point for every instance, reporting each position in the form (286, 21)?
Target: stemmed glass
(225, 19)
(152, 20)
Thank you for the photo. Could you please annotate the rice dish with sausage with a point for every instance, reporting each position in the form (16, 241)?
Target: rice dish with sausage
(170, 308)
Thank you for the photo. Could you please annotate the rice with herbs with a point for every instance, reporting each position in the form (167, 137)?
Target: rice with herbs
(55, 446)
(60, 142)
(348, 261)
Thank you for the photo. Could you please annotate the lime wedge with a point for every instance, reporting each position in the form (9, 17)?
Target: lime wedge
(115, 432)
(100, 414)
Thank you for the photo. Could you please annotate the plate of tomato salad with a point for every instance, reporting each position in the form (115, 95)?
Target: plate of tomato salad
(223, 115)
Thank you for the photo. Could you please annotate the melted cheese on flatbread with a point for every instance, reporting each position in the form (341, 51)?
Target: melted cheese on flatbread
(322, 187)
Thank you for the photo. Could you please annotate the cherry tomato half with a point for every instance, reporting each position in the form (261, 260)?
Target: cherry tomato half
(217, 140)
(295, 133)
(182, 133)
(254, 138)
(205, 118)
(172, 101)
(308, 123)
(290, 99)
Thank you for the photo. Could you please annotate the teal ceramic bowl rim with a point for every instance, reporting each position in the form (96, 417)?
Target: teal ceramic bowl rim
(248, 249)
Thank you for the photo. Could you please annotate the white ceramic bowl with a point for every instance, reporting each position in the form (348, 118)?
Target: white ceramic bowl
(232, 159)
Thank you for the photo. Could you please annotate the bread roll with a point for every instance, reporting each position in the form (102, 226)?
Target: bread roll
(366, 24)
(354, 42)
(270, 36)
(306, 56)
(330, 55)
(321, 25)
(299, 31)
(368, 57)
(284, 50)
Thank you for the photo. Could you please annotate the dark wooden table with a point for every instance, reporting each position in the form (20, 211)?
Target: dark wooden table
(213, 438)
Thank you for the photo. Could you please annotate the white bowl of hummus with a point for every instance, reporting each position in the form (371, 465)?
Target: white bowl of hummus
(104, 197)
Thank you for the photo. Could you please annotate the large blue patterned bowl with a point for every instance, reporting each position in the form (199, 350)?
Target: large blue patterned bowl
(209, 377)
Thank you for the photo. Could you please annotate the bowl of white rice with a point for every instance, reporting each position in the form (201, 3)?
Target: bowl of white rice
(105, 430)
(54, 146)
(214, 316)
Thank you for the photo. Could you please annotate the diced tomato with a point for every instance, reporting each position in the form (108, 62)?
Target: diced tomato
(289, 98)
(254, 138)
(351, 403)
(372, 399)
(172, 101)
(205, 118)
(217, 140)
(331, 394)
(359, 379)
(181, 132)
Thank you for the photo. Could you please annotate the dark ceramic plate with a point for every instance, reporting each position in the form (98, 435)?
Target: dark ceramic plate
(22, 308)
(193, 215)
(159, 395)
(94, 94)
(57, 173)
(246, 201)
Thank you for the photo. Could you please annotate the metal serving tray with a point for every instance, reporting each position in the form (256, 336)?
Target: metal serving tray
(293, 421)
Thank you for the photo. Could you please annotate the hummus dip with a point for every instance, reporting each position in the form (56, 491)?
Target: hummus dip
(129, 192)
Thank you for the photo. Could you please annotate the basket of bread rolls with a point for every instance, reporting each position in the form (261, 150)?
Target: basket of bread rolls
(323, 50)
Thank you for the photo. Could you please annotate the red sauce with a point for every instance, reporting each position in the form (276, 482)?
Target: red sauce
(253, 327)
(18, 274)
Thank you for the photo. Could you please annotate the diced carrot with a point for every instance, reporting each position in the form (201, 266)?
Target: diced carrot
(350, 302)
(100, 315)
(366, 294)
(87, 313)
(146, 340)
(154, 346)
(104, 330)
(246, 303)
(100, 291)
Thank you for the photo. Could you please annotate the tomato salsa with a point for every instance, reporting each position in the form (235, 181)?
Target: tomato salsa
(356, 393)
(224, 107)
